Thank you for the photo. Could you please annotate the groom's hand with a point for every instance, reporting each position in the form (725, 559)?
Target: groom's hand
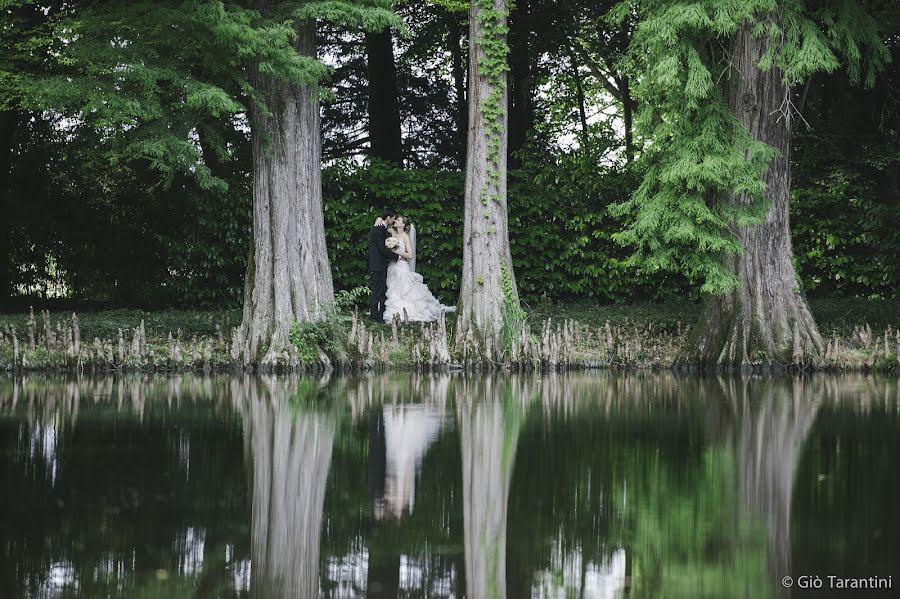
(378, 222)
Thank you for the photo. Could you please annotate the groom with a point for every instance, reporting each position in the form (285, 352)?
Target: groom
(379, 257)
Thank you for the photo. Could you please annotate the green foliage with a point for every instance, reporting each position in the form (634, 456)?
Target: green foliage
(348, 299)
(560, 249)
(329, 334)
(514, 317)
(698, 154)
(127, 70)
(313, 338)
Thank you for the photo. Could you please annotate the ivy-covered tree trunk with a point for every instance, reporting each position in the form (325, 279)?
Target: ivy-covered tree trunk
(7, 126)
(766, 318)
(385, 137)
(288, 275)
(488, 294)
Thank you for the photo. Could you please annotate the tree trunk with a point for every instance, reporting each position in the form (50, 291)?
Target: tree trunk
(582, 111)
(765, 320)
(627, 116)
(7, 127)
(385, 137)
(459, 82)
(488, 291)
(521, 106)
(290, 458)
(288, 275)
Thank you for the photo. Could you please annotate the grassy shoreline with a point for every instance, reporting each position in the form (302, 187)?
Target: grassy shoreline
(861, 335)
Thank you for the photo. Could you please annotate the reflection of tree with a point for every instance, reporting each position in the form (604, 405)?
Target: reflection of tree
(489, 432)
(774, 419)
(290, 455)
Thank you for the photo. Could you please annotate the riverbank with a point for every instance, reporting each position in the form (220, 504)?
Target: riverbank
(860, 335)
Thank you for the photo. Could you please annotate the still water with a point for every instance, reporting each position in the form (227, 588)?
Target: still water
(581, 485)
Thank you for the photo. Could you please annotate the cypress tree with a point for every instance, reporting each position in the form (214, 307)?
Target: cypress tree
(148, 73)
(715, 90)
(489, 308)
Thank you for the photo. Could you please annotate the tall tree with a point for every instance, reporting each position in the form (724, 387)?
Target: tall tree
(385, 135)
(127, 71)
(715, 196)
(460, 73)
(7, 128)
(489, 308)
(23, 48)
(288, 275)
(521, 105)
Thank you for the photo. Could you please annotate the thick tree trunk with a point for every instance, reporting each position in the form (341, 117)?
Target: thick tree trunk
(521, 106)
(290, 458)
(488, 288)
(288, 276)
(459, 82)
(765, 320)
(385, 137)
(488, 435)
(7, 127)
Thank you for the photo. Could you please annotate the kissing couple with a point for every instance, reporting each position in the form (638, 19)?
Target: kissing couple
(397, 289)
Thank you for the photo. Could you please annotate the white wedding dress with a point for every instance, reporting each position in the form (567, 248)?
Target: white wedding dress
(406, 290)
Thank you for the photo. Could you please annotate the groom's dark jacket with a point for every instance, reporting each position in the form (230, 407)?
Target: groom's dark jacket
(379, 255)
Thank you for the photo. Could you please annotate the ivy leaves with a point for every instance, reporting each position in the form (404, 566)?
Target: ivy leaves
(698, 154)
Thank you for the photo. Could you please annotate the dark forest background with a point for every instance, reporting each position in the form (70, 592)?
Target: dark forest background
(86, 225)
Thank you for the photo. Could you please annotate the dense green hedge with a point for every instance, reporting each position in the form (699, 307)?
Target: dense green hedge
(561, 248)
(188, 247)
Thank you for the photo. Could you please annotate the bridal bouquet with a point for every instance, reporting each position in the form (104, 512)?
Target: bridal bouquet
(391, 242)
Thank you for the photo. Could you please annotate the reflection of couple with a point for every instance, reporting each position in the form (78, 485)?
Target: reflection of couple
(397, 289)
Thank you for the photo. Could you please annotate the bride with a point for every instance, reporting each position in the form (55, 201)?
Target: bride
(406, 289)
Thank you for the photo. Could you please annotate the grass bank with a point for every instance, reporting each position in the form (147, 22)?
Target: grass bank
(861, 335)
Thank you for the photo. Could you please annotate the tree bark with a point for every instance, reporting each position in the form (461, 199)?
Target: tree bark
(459, 83)
(7, 128)
(487, 261)
(521, 106)
(765, 320)
(627, 116)
(288, 275)
(582, 111)
(385, 136)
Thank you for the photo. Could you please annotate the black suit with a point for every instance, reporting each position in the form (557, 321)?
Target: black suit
(379, 258)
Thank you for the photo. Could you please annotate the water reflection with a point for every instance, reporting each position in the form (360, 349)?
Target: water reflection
(598, 485)
(771, 426)
(489, 434)
(289, 438)
(408, 431)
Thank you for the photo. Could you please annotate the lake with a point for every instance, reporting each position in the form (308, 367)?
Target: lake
(404, 485)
